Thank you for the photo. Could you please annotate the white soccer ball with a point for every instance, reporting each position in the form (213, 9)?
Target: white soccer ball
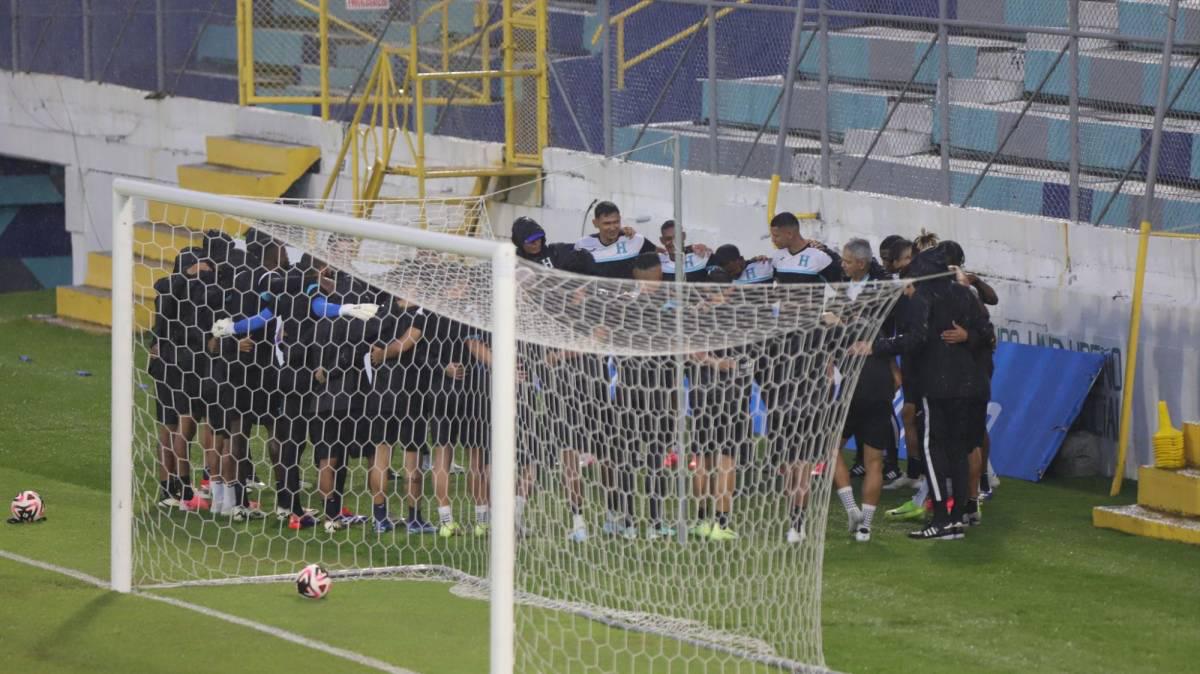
(27, 507)
(313, 582)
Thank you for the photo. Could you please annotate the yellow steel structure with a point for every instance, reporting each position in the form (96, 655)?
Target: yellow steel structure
(618, 20)
(397, 102)
(1131, 352)
(438, 64)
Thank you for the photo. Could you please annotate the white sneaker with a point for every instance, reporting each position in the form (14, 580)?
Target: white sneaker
(456, 469)
(630, 533)
(794, 536)
(854, 518)
(900, 483)
(242, 514)
(283, 514)
(863, 535)
(333, 525)
(578, 534)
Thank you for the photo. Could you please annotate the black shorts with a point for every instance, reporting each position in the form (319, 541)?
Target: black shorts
(720, 408)
(340, 438)
(403, 422)
(977, 416)
(461, 418)
(646, 419)
(177, 396)
(872, 423)
(578, 402)
(951, 429)
(794, 416)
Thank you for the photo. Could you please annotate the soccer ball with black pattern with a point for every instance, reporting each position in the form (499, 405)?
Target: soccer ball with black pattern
(313, 582)
(26, 507)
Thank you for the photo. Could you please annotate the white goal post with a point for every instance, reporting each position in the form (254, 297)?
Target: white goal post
(503, 379)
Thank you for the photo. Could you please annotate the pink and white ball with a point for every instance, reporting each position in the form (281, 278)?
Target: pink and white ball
(313, 582)
(27, 507)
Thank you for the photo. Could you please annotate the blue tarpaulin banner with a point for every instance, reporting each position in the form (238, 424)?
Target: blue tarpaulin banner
(1037, 392)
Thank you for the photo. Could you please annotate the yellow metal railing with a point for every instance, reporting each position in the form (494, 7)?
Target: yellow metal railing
(1131, 348)
(446, 48)
(397, 101)
(618, 20)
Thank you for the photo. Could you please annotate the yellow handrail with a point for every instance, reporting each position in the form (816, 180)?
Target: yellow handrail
(620, 17)
(340, 22)
(618, 20)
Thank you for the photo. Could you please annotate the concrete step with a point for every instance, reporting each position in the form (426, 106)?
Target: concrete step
(979, 90)
(1148, 18)
(94, 305)
(194, 219)
(1170, 491)
(1108, 140)
(696, 147)
(216, 179)
(1140, 521)
(890, 55)
(145, 272)
(1114, 76)
(746, 102)
(162, 242)
(256, 154)
(890, 144)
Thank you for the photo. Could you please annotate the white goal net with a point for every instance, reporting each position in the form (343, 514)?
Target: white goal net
(308, 394)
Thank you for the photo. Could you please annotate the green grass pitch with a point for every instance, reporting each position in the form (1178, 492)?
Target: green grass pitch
(1036, 589)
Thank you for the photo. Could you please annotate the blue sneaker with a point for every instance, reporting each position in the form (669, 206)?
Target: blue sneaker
(418, 525)
(383, 526)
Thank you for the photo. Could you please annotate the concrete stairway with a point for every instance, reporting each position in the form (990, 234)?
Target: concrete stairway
(236, 166)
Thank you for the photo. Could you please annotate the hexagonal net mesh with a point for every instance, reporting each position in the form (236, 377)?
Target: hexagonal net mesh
(305, 396)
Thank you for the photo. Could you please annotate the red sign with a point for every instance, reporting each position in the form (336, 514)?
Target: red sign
(367, 4)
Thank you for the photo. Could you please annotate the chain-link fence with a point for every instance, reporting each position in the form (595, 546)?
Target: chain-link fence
(179, 47)
(1044, 107)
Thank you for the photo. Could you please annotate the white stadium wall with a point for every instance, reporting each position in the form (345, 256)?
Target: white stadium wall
(1065, 286)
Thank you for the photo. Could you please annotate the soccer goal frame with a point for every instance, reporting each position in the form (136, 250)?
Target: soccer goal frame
(504, 373)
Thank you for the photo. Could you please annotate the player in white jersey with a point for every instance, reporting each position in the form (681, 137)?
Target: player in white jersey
(799, 260)
(613, 248)
(729, 260)
(695, 257)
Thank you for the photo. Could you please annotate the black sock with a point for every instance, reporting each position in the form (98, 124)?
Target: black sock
(576, 509)
(702, 511)
(185, 490)
(972, 506)
(723, 519)
(655, 499)
(798, 518)
(333, 506)
(413, 513)
(380, 511)
(984, 484)
(164, 489)
(239, 494)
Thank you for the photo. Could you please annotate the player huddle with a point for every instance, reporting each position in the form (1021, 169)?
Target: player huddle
(316, 357)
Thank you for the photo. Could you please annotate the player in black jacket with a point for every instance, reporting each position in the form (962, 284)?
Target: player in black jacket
(177, 361)
(869, 420)
(950, 378)
(530, 240)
